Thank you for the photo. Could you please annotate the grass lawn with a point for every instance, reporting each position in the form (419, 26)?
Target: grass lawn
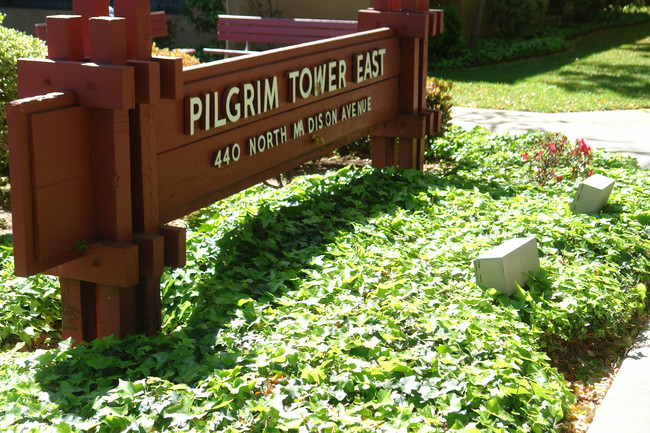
(607, 70)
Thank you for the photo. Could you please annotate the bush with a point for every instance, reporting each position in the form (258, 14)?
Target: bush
(549, 39)
(587, 11)
(449, 43)
(584, 10)
(203, 14)
(551, 158)
(499, 50)
(515, 18)
(13, 45)
(188, 59)
(439, 97)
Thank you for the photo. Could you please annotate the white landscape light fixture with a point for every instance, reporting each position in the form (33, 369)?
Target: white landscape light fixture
(505, 266)
(592, 194)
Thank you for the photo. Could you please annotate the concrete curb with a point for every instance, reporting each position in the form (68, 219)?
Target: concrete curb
(625, 407)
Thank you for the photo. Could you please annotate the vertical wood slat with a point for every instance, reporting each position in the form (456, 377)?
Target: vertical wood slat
(22, 182)
(88, 9)
(138, 18)
(71, 310)
(111, 165)
(144, 170)
(89, 310)
(148, 298)
(129, 310)
(108, 311)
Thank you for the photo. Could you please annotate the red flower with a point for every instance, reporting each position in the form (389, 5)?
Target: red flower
(552, 148)
(539, 155)
(525, 156)
(591, 173)
(559, 178)
(583, 147)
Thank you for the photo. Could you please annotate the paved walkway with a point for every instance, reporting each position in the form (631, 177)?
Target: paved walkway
(625, 132)
(626, 407)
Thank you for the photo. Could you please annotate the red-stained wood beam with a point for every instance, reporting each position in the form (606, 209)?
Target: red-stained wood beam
(151, 253)
(405, 25)
(98, 86)
(171, 77)
(108, 311)
(147, 81)
(107, 263)
(107, 40)
(65, 38)
(22, 182)
(112, 175)
(88, 9)
(71, 310)
(138, 18)
(175, 248)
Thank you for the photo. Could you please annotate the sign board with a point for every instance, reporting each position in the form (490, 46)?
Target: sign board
(108, 145)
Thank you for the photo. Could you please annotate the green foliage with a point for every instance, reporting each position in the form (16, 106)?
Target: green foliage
(30, 310)
(494, 50)
(448, 44)
(360, 148)
(584, 10)
(439, 97)
(13, 45)
(515, 18)
(346, 302)
(546, 39)
(203, 14)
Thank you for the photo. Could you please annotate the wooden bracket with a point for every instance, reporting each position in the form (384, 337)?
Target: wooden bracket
(407, 126)
(147, 81)
(405, 25)
(105, 86)
(434, 122)
(415, 5)
(151, 253)
(171, 77)
(107, 263)
(436, 22)
(175, 249)
(386, 5)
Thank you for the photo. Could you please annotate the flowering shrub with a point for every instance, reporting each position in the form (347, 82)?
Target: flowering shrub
(439, 97)
(188, 59)
(552, 158)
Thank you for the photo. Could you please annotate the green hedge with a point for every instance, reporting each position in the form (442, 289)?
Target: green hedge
(515, 18)
(547, 39)
(13, 45)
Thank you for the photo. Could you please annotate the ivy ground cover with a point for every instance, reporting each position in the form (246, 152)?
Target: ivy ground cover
(346, 302)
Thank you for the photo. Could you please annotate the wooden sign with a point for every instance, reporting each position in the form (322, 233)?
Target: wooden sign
(108, 145)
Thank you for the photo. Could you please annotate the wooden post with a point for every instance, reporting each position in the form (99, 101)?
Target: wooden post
(402, 144)
(91, 309)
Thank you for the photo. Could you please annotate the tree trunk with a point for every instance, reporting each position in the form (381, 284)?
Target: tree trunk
(478, 17)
